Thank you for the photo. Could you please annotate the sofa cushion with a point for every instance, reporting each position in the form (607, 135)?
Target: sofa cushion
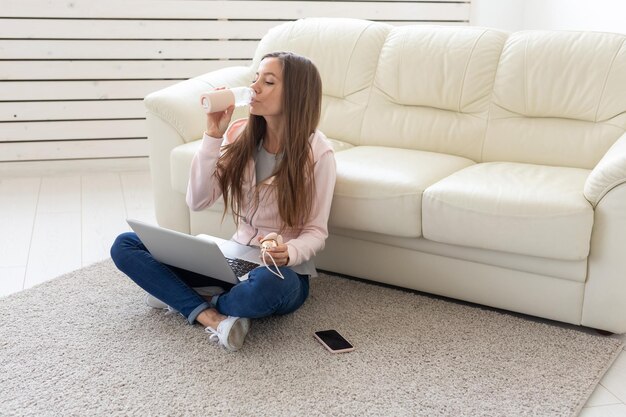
(558, 98)
(432, 90)
(380, 189)
(346, 52)
(519, 208)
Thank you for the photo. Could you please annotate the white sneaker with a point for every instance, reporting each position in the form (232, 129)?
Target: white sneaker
(230, 333)
(152, 301)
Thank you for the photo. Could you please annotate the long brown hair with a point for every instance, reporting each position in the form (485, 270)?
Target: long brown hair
(294, 183)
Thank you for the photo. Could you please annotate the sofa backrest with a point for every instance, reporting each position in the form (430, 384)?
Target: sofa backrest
(559, 98)
(345, 52)
(552, 98)
(432, 89)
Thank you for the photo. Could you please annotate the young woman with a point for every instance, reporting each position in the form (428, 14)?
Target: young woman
(276, 173)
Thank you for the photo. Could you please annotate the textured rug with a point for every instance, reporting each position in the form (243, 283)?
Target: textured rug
(85, 344)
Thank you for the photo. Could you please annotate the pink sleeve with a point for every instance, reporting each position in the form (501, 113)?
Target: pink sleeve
(314, 234)
(203, 189)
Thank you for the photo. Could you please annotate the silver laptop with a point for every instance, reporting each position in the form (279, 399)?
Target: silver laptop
(217, 258)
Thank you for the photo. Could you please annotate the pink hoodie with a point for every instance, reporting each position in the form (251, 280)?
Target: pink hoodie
(203, 190)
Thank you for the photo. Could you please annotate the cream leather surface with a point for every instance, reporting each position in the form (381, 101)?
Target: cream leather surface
(432, 89)
(519, 208)
(569, 75)
(447, 68)
(345, 51)
(608, 174)
(558, 98)
(379, 189)
(556, 268)
(547, 141)
(604, 305)
(524, 292)
(472, 163)
(180, 160)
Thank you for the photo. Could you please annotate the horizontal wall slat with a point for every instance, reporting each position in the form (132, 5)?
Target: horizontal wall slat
(256, 10)
(133, 29)
(72, 110)
(109, 70)
(105, 49)
(80, 149)
(79, 90)
(71, 130)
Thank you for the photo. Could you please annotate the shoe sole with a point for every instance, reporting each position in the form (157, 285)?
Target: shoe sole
(237, 334)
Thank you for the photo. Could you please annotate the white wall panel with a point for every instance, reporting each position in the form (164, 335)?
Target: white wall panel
(73, 73)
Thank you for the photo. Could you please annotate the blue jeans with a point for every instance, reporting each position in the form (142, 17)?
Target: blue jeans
(261, 295)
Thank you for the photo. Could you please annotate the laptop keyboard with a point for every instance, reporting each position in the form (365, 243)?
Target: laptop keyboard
(241, 267)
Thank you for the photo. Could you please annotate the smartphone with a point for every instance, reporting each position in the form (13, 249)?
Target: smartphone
(333, 341)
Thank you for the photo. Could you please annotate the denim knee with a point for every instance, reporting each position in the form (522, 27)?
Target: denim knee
(273, 287)
(121, 247)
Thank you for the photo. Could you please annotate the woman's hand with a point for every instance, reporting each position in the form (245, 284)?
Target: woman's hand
(280, 254)
(217, 122)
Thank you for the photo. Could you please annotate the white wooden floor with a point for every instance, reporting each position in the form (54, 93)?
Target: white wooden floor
(54, 224)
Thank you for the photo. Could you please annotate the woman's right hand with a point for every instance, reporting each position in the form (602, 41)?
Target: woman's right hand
(217, 122)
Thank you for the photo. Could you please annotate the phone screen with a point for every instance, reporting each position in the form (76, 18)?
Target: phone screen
(333, 340)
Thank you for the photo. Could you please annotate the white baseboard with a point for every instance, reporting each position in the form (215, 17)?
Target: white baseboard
(59, 167)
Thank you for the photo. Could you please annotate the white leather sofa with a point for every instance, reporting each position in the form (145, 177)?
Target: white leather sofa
(471, 163)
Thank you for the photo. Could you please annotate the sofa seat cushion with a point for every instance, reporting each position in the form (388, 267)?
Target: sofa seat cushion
(518, 208)
(379, 189)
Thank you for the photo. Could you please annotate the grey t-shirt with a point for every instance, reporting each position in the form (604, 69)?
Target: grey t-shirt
(265, 163)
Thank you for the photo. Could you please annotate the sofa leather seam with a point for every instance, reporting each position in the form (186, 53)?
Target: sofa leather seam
(492, 100)
(343, 89)
(608, 189)
(606, 79)
(467, 64)
(518, 216)
(371, 87)
(525, 77)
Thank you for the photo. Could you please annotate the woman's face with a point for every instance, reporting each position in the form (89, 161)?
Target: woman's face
(268, 86)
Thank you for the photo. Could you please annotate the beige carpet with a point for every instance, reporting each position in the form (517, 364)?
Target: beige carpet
(84, 344)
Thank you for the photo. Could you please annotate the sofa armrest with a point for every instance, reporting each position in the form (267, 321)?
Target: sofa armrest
(608, 173)
(179, 104)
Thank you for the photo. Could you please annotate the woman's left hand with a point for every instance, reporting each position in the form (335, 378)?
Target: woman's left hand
(280, 254)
